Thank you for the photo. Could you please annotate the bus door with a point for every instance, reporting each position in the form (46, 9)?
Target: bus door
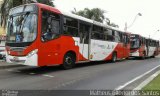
(84, 31)
(122, 47)
(147, 47)
(126, 46)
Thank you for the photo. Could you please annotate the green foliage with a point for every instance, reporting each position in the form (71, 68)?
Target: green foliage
(47, 2)
(15, 3)
(96, 14)
(8, 4)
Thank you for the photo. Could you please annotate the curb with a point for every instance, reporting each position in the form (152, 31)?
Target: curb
(136, 78)
(147, 81)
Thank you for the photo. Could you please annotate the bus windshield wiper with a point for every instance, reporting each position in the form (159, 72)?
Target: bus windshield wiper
(10, 22)
(24, 20)
(19, 36)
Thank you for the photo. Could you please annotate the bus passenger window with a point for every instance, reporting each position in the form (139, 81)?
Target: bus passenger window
(50, 25)
(84, 31)
(110, 36)
(70, 27)
(97, 33)
(117, 36)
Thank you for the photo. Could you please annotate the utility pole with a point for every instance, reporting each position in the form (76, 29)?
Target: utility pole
(126, 26)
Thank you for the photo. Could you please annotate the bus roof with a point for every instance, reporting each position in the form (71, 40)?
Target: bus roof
(145, 37)
(77, 17)
(72, 15)
(89, 21)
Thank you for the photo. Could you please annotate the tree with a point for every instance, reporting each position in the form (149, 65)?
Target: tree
(108, 22)
(94, 14)
(47, 2)
(8, 4)
(114, 25)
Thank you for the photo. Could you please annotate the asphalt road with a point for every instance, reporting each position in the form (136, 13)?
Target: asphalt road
(87, 76)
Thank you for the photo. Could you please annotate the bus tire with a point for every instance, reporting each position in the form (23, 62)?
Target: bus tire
(68, 61)
(153, 55)
(144, 56)
(114, 57)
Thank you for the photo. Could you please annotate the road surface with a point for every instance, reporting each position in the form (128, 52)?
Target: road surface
(87, 76)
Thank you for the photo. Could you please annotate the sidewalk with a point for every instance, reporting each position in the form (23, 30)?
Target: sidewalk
(4, 65)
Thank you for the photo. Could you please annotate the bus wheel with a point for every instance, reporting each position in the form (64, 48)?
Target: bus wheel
(68, 61)
(153, 55)
(144, 56)
(114, 57)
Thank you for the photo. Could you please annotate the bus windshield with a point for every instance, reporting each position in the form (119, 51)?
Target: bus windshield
(22, 27)
(135, 43)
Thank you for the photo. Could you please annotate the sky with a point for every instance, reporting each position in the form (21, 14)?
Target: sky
(123, 11)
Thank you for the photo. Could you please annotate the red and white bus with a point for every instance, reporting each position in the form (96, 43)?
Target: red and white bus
(40, 35)
(143, 47)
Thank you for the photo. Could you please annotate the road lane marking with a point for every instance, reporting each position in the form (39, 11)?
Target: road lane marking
(17, 71)
(66, 83)
(9, 70)
(133, 80)
(48, 76)
(32, 73)
(147, 81)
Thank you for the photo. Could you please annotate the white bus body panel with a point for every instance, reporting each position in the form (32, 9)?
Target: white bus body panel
(31, 61)
(135, 54)
(151, 51)
(99, 50)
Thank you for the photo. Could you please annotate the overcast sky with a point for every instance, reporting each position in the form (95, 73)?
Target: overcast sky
(121, 11)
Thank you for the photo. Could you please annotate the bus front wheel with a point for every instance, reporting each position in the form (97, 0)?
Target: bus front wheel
(68, 61)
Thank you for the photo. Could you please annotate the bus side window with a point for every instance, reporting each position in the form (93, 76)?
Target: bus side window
(50, 25)
(140, 42)
(105, 34)
(70, 27)
(110, 35)
(121, 37)
(97, 33)
(84, 31)
(125, 39)
(117, 36)
(128, 39)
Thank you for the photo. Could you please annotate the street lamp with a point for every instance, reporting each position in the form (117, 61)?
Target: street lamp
(126, 26)
(154, 33)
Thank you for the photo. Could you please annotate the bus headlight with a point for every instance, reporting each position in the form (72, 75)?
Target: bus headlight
(32, 53)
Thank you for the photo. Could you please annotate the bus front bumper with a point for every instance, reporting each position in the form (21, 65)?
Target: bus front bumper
(25, 60)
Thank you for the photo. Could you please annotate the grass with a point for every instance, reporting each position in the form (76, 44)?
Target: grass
(154, 84)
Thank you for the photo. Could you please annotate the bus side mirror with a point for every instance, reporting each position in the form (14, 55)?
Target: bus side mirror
(43, 37)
